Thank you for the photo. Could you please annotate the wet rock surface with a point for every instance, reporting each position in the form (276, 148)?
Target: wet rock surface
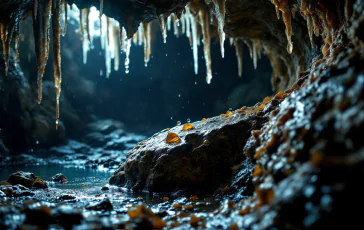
(197, 158)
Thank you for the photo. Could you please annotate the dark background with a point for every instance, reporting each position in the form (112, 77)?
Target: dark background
(150, 99)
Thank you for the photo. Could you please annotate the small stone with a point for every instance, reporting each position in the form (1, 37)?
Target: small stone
(24, 178)
(105, 188)
(59, 178)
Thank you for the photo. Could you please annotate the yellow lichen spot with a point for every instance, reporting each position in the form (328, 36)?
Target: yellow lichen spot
(188, 207)
(135, 213)
(137, 147)
(266, 99)
(165, 198)
(187, 127)
(193, 198)
(244, 211)
(195, 220)
(234, 226)
(262, 106)
(281, 95)
(173, 138)
(222, 115)
(168, 129)
(177, 206)
(206, 143)
(159, 224)
(257, 171)
(228, 113)
(204, 119)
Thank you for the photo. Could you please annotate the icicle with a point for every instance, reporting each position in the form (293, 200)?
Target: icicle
(188, 25)
(169, 22)
(288, 23)
(101, 7)
(176, 25)
(56, 27)
(220, 15)
(195, 41)
(16, 42)
(183, 23)
(140, 35)
(147, 39)
(162, 23)
(116, 48)
(135, 38)
(87, 17)
(255, 54)
(6, 36)
(65, 20)
(231, 41)
(204, 18)
(41, 25)
(127, 53)
(239, 56)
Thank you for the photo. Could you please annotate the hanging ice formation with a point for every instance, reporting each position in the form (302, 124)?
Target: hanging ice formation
(193, 24)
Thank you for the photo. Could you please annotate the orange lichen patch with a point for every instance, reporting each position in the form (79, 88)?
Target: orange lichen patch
(168, 129)
(204, 119)
(39, 183)
(265, 196)
(187, 127)
(228, 113)
(173, 138)
(193, 198)
(64, 180)
(159, 224)
(165, 198)
(257, 171)
(262, 106)
(4, 183)
(137, 147)
(266, 99)
(280, 95)
(177, 206)
(195, 220)
(222, 115)
(242, 109)
(234, 226)
(183, 214)
(135, 213)
(256, 133)
(316, 159)
(258, 152)
(244, 211)
(206, 143)
(187, 207)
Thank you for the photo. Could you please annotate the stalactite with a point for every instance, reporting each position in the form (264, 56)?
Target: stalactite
(140, 35)
(205, 23)
(255, 54)
(169, 22)
(127, 53)
(239, 56)
(16, 42)
(220, 15)
(56, 27)
(121, 36)
(310, 29)
(7, 31)
(188, 24)
(195, 40)
(176, 25)
(101, 7)
(87, 18)
(316, 25)
(65, 20)
(147, 39)
(135, 38)
(41, 24)
(288, 23)
(116, 48)
(183, 23)
(162, 23)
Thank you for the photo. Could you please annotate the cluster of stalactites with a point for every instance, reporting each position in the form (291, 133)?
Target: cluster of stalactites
(320, 21)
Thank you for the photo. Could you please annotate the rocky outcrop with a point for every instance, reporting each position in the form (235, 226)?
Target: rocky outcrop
(201, 160)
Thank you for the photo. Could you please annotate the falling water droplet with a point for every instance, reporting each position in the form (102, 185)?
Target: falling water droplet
(188, 120)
